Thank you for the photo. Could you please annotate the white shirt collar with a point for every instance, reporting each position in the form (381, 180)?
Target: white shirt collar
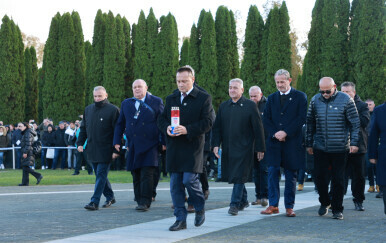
(187, 93)
(281, 93)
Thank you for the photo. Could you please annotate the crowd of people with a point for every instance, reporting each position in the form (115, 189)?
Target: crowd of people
(334, 138)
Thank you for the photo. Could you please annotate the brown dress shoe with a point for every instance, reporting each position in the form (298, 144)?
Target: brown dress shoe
(290, 212)
(270, 210)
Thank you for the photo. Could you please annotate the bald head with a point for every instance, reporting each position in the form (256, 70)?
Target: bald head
(139, 88)
(327, 87)
(255, 94)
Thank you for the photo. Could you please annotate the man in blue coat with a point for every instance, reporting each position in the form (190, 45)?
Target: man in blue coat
(377, 146)
(139, 117)
(284, 116)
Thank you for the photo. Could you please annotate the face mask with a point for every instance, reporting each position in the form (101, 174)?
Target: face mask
(1, 133)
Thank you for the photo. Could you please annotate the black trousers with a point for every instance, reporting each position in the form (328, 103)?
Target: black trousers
(383, 189)
(356, 163)
(204, 175)
(81, 158)
(336, 162)
(143, 184)
(26, 171)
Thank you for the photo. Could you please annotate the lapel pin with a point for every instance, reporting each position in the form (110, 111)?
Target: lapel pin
(241, 104)
(290, 98)
(101, 119)
(184, 104)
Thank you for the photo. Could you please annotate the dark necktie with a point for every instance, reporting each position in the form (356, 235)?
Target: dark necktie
(183, 95)
(283, 99)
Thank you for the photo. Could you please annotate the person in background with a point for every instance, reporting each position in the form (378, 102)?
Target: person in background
(81, 157)
(60, 142)
(16, 140)
(69, 140)
(48, 140)
(4, 141)
(371, 168)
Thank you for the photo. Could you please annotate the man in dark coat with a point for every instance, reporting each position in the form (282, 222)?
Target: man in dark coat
(332, 131)
(98, 126)
(284, 117)
(356, 162)
(377, 147)
(185, 145)
(59, 142)
(139, 117)
(238, 129)
(260, 168)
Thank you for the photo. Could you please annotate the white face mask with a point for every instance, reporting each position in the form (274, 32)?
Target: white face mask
(1, 133)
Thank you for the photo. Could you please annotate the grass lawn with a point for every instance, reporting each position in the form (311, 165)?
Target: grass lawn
(11, 177)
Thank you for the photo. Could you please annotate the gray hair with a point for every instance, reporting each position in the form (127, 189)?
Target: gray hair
(140, 80)
(238, 81)
(284, 72)
(255, 88)
(99, 88)
(348, 84)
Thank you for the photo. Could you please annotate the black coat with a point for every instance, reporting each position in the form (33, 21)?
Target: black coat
(364, 117)
(48, 139)
(59, 138)
(26, 147)
(97, 127)
(239, 130)
(185, 153)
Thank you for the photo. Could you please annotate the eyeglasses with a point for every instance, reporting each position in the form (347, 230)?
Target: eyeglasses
(325, 91)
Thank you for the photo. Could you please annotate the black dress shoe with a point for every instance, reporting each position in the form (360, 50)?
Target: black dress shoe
(178, 225)
(91, 206)
(39, 179)
(142, 208)
(359, 206)
(108, 203)
(200, 218)
(337, 215)
(233, 210)
(23, 184)
(243, 205)
(379, 195)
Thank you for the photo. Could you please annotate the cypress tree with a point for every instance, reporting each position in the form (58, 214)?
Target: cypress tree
(151, 40)
(65, 102)
(208, 75)
(12, 72)
(141, 58)
(114, 64)
(233, 51)
(223, 47)
(80, 64)
(97, 57)
(31, 84)
(251, 64)
(40, 99)
(279, 45)
(129, 66)
(194, 49)
(368, 51)
(264, 52)
(88, 55)
(184, 56)
(50, 68)
(166, 59)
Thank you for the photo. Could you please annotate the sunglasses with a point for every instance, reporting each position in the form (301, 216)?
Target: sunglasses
(325, 91)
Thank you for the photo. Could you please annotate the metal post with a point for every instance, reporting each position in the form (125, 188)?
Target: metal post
(13, 152)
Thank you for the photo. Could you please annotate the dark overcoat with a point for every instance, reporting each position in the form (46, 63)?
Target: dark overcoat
(26, 147)
(239, 131)
(142, 133)
(377, 142)
(290, 118)
(98, 128)
(184, 153)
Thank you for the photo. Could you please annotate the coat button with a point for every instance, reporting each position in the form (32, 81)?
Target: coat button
(282, 113)
(132, 123)
(280, 124)
(144, 135)
(143, 124)
(135, 135)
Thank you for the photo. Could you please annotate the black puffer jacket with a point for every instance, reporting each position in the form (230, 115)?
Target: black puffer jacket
(26, 147)
(333, 124)
(364, 117)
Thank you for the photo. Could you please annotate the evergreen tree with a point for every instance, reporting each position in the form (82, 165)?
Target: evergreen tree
(151, 41)
(194, 49)
(40, 99)
(264, 52)
(50, 68)
(251, 69)
(184, 56)
(97, 57)
(279, 46)
(88, 88)
(80, 65)
(129, 66)
(12, 72)
(368, 49)
(141, 57)
(31, 84)
(233, 51)
(114, 64)
(65, 102)
(208, 76)
(166, 58)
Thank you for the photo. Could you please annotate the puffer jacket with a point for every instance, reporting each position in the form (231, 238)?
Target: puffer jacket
(332, 124)
(26, 146)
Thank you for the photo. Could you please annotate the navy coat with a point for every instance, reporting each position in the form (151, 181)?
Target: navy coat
(290, 119)
(143, 135)
(377, 142)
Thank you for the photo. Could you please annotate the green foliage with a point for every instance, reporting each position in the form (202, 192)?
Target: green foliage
(207, 78)
(129, 66)
(368, 49)
(166, 57)
(12, 72)
(233, 51)
(40, 99)
(194, 49)
(139, 42)
(31, 84)
(279, 46)
(184, 56)
(252, 72)
(88, 85)
(151, 42)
